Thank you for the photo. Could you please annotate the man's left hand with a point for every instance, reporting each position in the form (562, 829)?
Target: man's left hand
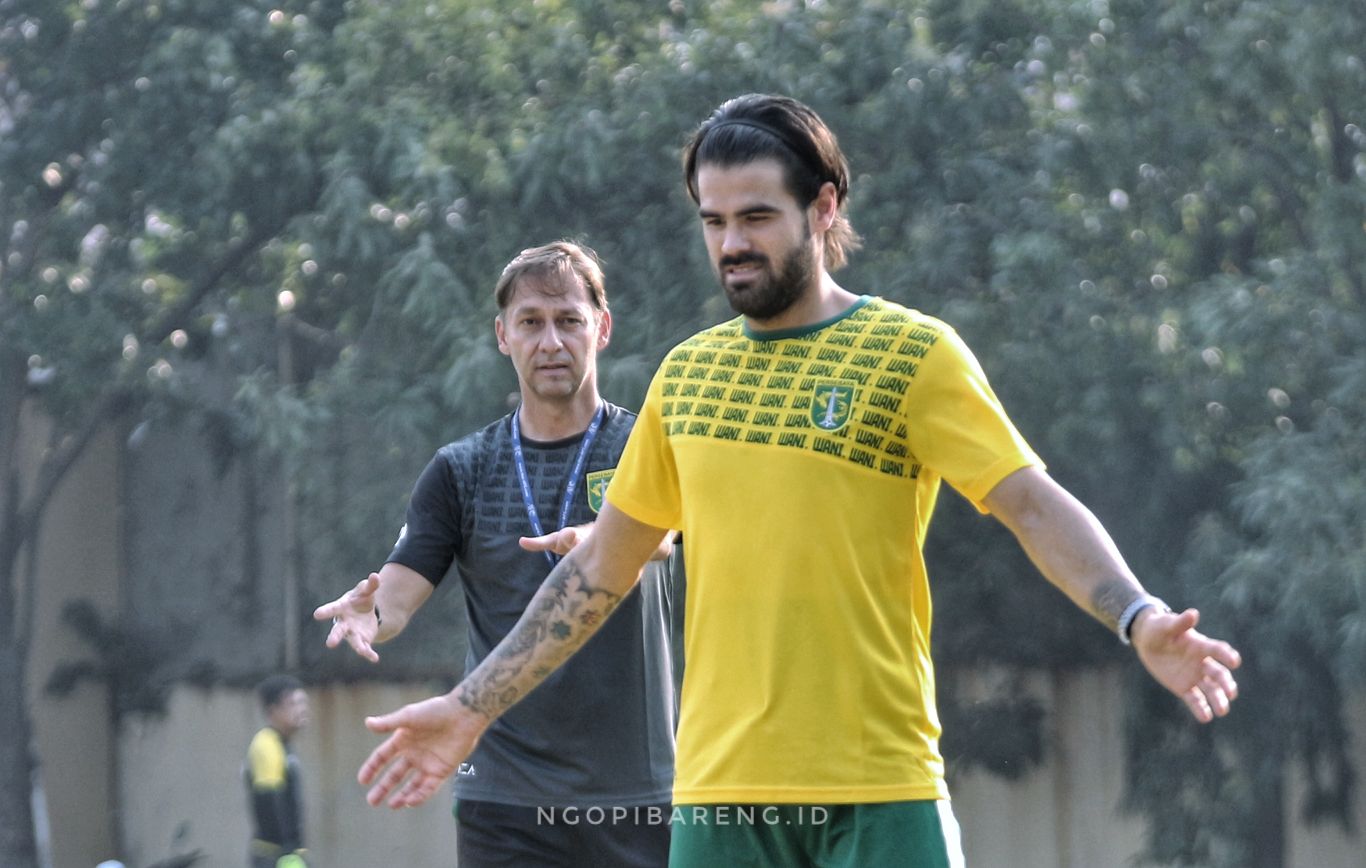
(1196, 668)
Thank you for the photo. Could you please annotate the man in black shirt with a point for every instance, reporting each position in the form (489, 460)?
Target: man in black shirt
(579, 773)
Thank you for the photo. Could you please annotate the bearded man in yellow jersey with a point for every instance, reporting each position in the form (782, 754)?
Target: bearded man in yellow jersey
(799, 448)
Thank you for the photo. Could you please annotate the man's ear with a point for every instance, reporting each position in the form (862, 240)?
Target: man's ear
(824, 208)
(604, 329)
(502, 338)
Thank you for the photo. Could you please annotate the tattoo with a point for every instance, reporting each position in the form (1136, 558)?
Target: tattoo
(564, 613)
(1109, 600)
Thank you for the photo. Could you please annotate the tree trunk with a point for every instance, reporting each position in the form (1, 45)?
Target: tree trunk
(18, 846)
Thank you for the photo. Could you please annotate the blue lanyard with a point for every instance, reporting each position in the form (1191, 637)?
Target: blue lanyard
(579, 460)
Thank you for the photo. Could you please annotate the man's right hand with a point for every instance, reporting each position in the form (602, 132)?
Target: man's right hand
(427, 742)
(353, 618)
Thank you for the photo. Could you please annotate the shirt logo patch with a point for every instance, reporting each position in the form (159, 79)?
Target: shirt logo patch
(597, 487)
(831, 401)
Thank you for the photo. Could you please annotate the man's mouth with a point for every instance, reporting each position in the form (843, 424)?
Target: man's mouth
(743, 270)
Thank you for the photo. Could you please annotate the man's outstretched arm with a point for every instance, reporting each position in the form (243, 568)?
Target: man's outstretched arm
(429, 739)
(1073, 551)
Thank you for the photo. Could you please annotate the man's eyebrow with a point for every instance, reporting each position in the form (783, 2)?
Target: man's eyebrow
(761, 208)
(543, 310)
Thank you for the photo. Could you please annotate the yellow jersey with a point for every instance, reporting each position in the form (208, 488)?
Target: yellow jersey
(802, 468)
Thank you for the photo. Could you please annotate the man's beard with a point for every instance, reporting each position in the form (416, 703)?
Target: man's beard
(771, 293)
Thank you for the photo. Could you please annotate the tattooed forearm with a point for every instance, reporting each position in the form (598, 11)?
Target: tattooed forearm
(1110, 598)
(564, 613)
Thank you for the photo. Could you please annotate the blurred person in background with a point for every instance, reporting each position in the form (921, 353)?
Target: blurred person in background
(272, 776)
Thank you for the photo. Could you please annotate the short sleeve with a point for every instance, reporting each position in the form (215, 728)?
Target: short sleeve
(431, 535)
(266, 761)
(958, 427)
(645, 485)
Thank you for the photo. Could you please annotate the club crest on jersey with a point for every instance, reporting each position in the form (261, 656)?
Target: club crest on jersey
(831, 403)
(597, 487)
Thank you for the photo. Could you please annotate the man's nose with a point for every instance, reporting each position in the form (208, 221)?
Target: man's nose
(734, 240)
(551, 338)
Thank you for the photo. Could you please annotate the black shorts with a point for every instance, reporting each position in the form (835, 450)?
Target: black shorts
(494, 835)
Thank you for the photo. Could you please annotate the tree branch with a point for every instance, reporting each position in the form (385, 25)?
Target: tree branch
(60, 457)
(176, 315)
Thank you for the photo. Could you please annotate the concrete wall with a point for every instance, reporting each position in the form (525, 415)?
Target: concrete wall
(1064, 814)
(183, 789)
(1329, 846)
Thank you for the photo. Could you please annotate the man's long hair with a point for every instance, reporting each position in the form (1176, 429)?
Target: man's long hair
(764, 126)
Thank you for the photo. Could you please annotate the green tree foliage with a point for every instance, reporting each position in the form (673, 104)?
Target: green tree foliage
(1233, 130)
(282, 221)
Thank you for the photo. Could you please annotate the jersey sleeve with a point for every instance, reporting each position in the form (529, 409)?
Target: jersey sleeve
(431, 536)
(266, 762)
(958, 427)
(645, 485)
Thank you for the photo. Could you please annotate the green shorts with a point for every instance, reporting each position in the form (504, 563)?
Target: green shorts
(910, 834)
